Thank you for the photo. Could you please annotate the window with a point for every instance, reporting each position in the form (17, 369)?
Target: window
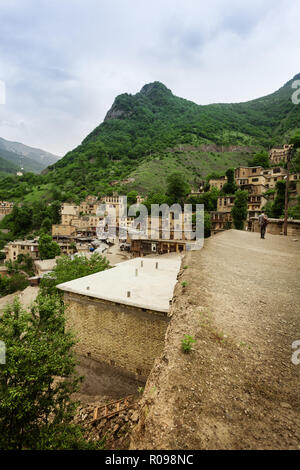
(254, 179)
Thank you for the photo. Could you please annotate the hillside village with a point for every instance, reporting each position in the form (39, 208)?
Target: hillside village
(150, 308)
(77, 232)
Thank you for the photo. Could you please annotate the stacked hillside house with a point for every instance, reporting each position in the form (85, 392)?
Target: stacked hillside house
(6, 207)
(171, 232)
(280, 155)
(256, 181)
(218, 182)
(31, 248)
(78, 223)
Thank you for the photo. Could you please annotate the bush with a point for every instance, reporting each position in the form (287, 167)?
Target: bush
(186, 343)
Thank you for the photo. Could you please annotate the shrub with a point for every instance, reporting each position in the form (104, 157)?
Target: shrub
(186, 343)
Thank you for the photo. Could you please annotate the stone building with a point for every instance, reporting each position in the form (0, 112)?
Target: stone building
(31, 247)
(89, 205)
(43, 267)
(120, 315)
(220, 221)
(144, 247)
(6, 207)
(278, 155)
(218, 182)
(225, 203)
(245, 172)
(21, 247)
(273, 175)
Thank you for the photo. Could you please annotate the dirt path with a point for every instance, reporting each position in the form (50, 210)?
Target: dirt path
(27, 297)
(238, 388)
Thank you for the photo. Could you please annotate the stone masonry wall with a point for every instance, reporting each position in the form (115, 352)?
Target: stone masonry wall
(125, 337)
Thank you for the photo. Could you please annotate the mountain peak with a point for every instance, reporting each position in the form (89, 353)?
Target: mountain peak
(149, 88)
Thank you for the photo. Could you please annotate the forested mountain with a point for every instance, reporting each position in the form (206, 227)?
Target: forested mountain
(29, 158)
(148, 135)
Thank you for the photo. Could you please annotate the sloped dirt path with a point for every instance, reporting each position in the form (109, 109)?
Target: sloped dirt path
(238, 387)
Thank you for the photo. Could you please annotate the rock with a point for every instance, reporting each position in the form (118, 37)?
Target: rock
(285, 405)
(135, 416)
(115, 428)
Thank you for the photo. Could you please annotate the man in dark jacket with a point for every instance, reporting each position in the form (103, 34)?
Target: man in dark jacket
(263, 221)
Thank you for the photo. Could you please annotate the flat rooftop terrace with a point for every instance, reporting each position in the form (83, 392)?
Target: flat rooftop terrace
(150, 287)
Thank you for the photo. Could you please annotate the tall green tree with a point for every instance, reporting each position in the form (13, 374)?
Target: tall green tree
(240, 209)
(279, 202)
(48, 249)
(260, 159)
(38, 379)
(67, 269)
(177, 187)
(229, 187)
(131, 197)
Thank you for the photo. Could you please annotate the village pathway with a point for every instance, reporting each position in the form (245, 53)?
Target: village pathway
(239, 386)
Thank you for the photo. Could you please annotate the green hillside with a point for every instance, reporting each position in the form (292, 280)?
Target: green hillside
(29, 158)
(148, 135)
(6, 167)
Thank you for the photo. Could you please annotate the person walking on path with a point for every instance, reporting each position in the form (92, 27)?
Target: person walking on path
(263, 221)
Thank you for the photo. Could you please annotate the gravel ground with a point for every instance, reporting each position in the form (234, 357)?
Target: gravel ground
(238, 387)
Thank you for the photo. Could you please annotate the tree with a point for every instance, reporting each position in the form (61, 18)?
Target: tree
(229, 187)
(46, 225)
(38, 379)
(295, 140)
(209, 199)
(131, 197)
(13, 283)
(279, 202)
(48, 249)
(178, 188)
(260, 159)
(67, 269)
(240, 209)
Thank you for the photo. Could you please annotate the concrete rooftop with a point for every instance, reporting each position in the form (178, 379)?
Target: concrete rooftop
(151, 289)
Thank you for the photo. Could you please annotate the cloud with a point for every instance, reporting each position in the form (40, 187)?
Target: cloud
(64, 61)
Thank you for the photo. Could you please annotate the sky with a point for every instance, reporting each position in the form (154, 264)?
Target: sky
(63, 62)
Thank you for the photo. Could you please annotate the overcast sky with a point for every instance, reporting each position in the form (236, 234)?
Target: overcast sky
(64, 61)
